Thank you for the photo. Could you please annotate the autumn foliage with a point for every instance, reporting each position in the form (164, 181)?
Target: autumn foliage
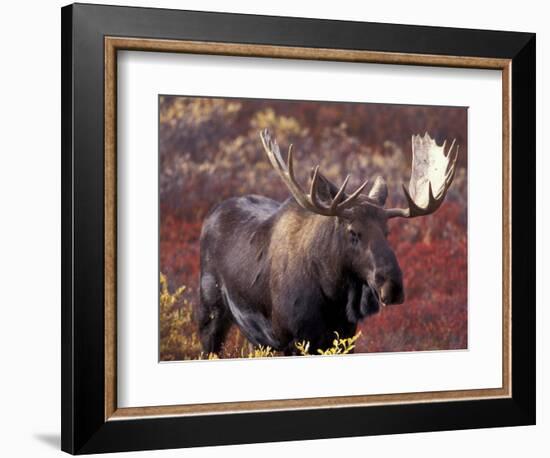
(210, 150)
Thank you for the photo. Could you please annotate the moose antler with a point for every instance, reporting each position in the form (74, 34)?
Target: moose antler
(432, 169)
(310, 201)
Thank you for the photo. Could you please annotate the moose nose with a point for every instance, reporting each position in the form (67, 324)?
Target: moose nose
(392, 292)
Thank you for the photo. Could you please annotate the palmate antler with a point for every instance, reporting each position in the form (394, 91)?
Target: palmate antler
(309, 201)
(432, 173)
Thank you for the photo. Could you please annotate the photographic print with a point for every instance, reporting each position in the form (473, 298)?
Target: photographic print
(308, 228)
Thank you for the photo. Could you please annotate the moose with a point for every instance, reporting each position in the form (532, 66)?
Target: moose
(315, 264)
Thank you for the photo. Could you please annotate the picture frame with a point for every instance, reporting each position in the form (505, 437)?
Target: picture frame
(92, 35)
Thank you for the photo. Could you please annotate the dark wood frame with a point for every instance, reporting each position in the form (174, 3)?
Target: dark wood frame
(91, 36)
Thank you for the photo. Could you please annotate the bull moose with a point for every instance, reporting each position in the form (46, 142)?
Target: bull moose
(314, 264)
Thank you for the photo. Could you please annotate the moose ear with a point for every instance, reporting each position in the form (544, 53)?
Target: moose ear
(326, 190)
(379, 191)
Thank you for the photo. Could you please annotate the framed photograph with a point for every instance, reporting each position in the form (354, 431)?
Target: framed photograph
(281, 228)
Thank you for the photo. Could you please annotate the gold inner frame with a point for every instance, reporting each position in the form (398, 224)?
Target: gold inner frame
(114, 44)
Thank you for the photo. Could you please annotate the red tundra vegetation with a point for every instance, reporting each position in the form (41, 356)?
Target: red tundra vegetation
(210, 150)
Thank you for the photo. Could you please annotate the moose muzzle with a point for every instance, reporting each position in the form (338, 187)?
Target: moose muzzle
(392, 292)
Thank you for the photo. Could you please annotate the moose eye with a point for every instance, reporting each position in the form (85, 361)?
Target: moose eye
(354, 236)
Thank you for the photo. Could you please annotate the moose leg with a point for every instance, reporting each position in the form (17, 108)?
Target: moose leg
(213, 330)
(213, 316)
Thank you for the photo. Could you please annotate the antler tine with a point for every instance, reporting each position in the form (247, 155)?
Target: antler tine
(451, 168)
(271, 148)
(351, 199)
(432, 167)
(451, 147)
(285, 172)
(290, 162)
(339, 195)
(313, 191)
(454, 158)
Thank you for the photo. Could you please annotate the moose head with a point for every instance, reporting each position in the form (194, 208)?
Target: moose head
(362, 220)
